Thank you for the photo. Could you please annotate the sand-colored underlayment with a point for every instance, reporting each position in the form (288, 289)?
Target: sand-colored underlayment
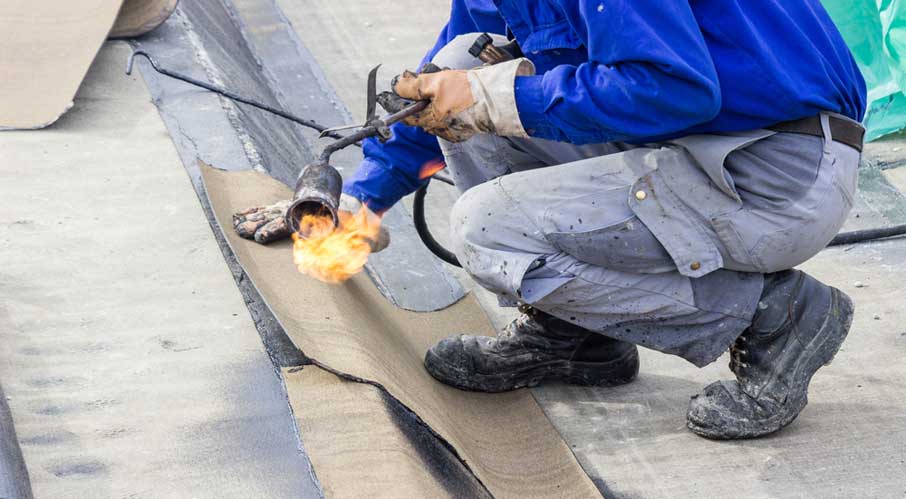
(137, 17)
(505, 438)
(47, 48)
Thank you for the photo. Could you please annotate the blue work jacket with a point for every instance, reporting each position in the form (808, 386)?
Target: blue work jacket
(642, 71)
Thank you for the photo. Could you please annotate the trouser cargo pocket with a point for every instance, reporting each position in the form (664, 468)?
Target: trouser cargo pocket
(626, 246)
(771, 241)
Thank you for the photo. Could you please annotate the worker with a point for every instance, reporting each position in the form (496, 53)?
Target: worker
(647, 173)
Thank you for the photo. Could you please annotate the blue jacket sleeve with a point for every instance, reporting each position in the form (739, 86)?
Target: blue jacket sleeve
(649, 73)
(391, 170)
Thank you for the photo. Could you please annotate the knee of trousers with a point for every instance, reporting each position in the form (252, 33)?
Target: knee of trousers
(493, 239)
(471, 226)
(455, 54)
(475, 233)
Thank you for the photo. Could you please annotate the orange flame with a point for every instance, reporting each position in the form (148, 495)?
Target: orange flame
(334, 254)
(430, 168)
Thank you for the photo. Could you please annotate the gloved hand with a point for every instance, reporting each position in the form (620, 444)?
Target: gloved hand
(266, 224)
(464, 103)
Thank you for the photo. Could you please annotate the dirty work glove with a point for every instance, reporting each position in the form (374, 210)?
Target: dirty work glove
(266, 224)
(464, 103)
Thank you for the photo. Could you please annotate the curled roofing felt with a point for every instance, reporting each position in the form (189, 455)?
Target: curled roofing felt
(42, 73)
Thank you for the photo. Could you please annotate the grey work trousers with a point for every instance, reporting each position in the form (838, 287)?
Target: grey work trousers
(663, 245)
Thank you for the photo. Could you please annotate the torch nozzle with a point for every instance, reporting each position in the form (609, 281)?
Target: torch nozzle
(317, 193)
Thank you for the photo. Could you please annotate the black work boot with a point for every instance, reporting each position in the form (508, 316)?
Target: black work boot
(533, 348)
(798, 328)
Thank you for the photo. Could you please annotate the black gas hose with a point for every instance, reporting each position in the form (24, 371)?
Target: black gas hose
(421, 226)
(861, 236)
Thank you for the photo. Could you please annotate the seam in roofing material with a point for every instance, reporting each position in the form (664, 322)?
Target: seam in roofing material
(296, 431)
(404, 415)
(14, 482)
(403, 409)
(264, 59)
(385, 448)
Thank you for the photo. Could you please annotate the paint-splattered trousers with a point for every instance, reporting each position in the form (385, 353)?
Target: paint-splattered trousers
(662, 245)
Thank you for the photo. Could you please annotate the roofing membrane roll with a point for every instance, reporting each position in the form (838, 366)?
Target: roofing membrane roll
(47, 48)
(137, 17)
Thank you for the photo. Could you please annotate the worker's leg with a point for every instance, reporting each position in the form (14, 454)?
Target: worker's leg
(565, 240)
(606, 244)
(592, 359)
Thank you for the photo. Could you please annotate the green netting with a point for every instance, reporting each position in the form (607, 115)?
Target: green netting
(876, 32)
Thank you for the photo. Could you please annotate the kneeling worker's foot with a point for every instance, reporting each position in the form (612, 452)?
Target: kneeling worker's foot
(533, 348)
(798, 328)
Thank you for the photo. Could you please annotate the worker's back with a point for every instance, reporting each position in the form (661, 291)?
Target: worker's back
(778, 60)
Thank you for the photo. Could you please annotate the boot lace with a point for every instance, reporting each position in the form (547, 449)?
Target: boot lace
(739, 355)
(521, 325)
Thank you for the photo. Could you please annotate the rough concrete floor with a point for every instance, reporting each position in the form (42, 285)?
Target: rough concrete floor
(849, 441)
(128, 356)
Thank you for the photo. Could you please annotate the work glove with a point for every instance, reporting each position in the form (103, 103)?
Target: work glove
(467, 102)
(266, 224)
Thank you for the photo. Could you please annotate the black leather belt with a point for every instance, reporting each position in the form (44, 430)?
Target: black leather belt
(843, 130)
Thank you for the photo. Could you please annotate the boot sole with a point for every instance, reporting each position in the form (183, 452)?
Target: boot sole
(607, 374)
(824, 352)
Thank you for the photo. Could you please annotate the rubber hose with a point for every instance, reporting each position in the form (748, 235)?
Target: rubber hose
(421, 227)
(859, 236)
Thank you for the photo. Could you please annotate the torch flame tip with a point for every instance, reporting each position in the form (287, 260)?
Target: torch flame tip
(331, 253)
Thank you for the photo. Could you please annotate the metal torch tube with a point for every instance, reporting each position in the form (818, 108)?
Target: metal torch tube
(319, 185)
(317, 193)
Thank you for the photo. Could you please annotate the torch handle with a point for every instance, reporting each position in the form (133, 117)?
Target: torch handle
(373, 129)
(414, 108)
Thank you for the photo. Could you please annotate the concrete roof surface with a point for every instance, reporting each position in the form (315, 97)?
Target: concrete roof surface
(131, 367)
(130, 363)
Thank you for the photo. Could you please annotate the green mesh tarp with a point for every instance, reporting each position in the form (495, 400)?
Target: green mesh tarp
(875, 30)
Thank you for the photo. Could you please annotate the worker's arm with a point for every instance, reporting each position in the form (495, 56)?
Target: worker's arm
(391, 170)
(649, 73)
